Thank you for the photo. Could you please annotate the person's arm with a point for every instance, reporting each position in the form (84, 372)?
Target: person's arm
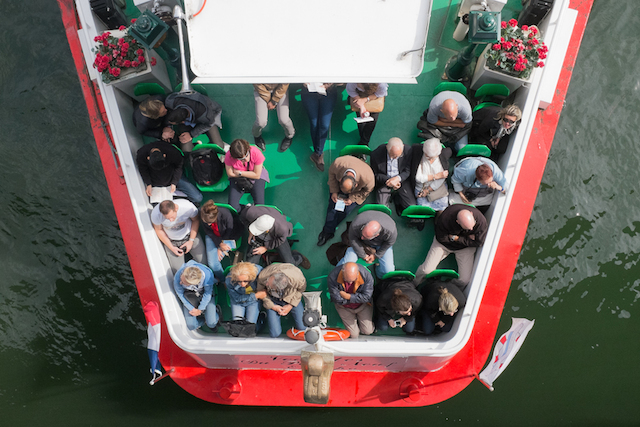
(442, 122)
(279, 92)
(193, 233)
(208, 293)
(388, 242)
(162, 235)
(177, 162)
(254, 174)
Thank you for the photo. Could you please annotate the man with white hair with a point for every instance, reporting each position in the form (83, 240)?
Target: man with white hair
(448, 118)
(460, 229)
(391, 164)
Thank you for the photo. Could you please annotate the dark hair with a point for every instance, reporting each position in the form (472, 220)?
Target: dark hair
(368, 89)
(209, 212)
(167, 206)
(344, 180)
(239, 148)
(399, 301)
(483, 172)
(178, 115)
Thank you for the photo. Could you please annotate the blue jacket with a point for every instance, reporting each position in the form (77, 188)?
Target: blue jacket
(237, 293)
(464, 174)
(208, 285)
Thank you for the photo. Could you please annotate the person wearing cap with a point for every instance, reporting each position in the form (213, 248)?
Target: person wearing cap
(391, 164)
(269, 229)
(280, 288)
(193, 284)
(176, 225)
(351, 289)
(160, 165)
(448, 118)
(429, 172)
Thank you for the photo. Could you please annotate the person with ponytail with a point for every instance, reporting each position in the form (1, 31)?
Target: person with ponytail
(397, 304)
(442, 303)
(220, 226)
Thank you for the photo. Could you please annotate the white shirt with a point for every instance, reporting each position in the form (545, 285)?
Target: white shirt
(181, 227)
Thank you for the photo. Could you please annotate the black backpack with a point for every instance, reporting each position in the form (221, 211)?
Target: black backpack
(206, 167)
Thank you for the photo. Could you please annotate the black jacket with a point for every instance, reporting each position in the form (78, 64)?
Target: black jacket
(447, 224)
(170, 174)
(207, 112)
(229, 226)
(379, 164)
(149, 127)
(485, 126)
(384, 292)
(431, 296)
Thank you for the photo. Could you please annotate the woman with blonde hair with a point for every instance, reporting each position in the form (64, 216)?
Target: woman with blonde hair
(493, 126)
(442, 302)
(193, 284)
(241, 286)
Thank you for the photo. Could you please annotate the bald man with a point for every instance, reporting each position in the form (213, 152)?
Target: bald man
(391, 164)
(351, 288)
(460, 229)
(448, 118)
(372, 235)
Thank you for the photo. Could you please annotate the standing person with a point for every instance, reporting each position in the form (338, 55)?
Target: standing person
(448, 118)
(176, 225)
(245, 168)
(429, 172)
(441, 303)
(397, 304)
(241, 285)
(219, 225)
(149, 118)
(319, 99)
(367, 98)
(351, 289)
(193, 283)
(391, 165)
(272, 97)
(493, 126)
(280, 288)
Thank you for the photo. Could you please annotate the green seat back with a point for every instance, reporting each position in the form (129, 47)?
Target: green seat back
(148, 89)
(485, 104)
(375, 207)
(355, 150)
(454, 86)
(399, 273)
(443, 273)
(474, 150)
(489, 90)
(418, 212)
(231, 208)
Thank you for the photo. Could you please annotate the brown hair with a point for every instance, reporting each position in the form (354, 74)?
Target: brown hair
(209, 212)
(243, 269)
(239, 148)
(368, 89)
(483, 172)
(399, 301)
(167, 206)
(151, 108)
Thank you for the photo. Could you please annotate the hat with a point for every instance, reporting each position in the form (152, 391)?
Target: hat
(432, 147)
(157, 160)
(261, 225)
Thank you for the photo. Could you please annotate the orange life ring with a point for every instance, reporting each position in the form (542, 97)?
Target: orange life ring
(329, 334)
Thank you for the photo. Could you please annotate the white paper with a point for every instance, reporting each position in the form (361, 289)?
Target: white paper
(340, 205)
(317, 87)
(160, 194)
(363, 119)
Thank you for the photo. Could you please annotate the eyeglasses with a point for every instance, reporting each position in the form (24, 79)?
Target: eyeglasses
(244, 281)
(508, 121)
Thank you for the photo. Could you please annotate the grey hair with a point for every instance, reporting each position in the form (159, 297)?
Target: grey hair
(394, 142)
(280, 281)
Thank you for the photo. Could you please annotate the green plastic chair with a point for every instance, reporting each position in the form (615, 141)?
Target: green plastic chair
(487, 91)
(399, 273)
(223, 183)
(231, 208)
(443, 273)
(202, 139)
(418, 212)
(474, 150)
(355, 150)
(453, 86)
(198, 88)
(485, 104)
(148, 89)
(375, 207)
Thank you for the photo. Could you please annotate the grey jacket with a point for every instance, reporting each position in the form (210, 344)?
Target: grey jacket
(207, 112)
(386, 238)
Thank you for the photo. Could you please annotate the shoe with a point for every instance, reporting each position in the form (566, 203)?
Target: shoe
(285, 144)
(260, 143)
(421, 225)
(324, 238)
(226, 147)
(306, 264)
(262, 318)
(318, 161)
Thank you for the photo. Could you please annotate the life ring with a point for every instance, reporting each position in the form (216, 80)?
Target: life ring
(329, 334)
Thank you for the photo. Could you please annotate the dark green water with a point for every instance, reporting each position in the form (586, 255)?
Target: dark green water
(72, 332)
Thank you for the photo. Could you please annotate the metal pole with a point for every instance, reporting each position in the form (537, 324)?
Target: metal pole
(179, 16)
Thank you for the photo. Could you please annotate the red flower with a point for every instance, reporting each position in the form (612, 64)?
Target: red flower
(127, 63)
(519, 67)
(525, 28)
(141, 59)
(133, 21)
(501, 39)
(540, 64)
(153, 61)
(534, 30)
(503, 25)
(125, 45)
(122, 28)
(513, 22)
(496, 46)
(134, 64)
(507, 45)
(542, 55)
(139, 52)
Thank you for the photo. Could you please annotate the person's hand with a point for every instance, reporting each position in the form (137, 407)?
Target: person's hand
(393, 182)
(348, 202)
(441, 175)
(494, 142)
(472, 236)
(285, 310)
(168, 133)
(334, 197)
(221, 254)
(261, 295)
(494, 185)
(172, 189)
(277, 309)
(392, 323)
(195, 312)
(185, 137)
(271, 105)
(187, 246)
(345, 295)
(424, 192)
(176, 250)
(402, 322)
(463, 197)
(149, 189)
(224, 247)
(360, 105)
(259, 251)
(440, 323)
(369, 258)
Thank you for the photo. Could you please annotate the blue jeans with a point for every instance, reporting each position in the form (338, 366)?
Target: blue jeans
(275, 327)
(461, 143)
(383, 325)
(386, 262)
(334, 218)
(212, 259)
(193, 194)
(319, 109)
(208, 316)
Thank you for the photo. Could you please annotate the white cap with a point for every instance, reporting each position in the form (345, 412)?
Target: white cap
(262, 224)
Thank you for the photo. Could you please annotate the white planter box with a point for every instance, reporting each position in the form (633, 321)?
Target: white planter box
(483, 75)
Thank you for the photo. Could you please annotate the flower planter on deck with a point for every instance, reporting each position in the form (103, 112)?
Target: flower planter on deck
(483, 75)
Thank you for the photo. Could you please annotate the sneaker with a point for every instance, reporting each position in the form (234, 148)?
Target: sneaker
(260, 143)
(285, 144)
(318, 161)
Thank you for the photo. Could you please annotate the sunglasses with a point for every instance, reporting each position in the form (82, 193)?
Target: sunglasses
(508, 121)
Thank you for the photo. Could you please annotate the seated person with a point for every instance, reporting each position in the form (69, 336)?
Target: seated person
(351, 288)
(280, 288)
(160, 165)
(269, 229)
(397, 299)
(475, 180)
(459, 229)
(448, 118)
(429, 172)
(493, 126)
(194, 114)
(441, 303)
(372, 235)
(193, 284)
(149, 118)
(391, 165)
(350, 181)
(245, 168)
(176, 225)
(241, 286)
(219, 225)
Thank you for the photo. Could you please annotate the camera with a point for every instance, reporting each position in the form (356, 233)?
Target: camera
(398, 322)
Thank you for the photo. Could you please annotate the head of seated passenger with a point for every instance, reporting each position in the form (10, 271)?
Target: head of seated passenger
(239, 149)
(177, 116)
(152, 108)
(401, 303)
(484, 174)
(347, 184)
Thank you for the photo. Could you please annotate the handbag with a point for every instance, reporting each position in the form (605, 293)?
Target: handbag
(243, 184)
(374, 106)
(438, 193)
(240, 328)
